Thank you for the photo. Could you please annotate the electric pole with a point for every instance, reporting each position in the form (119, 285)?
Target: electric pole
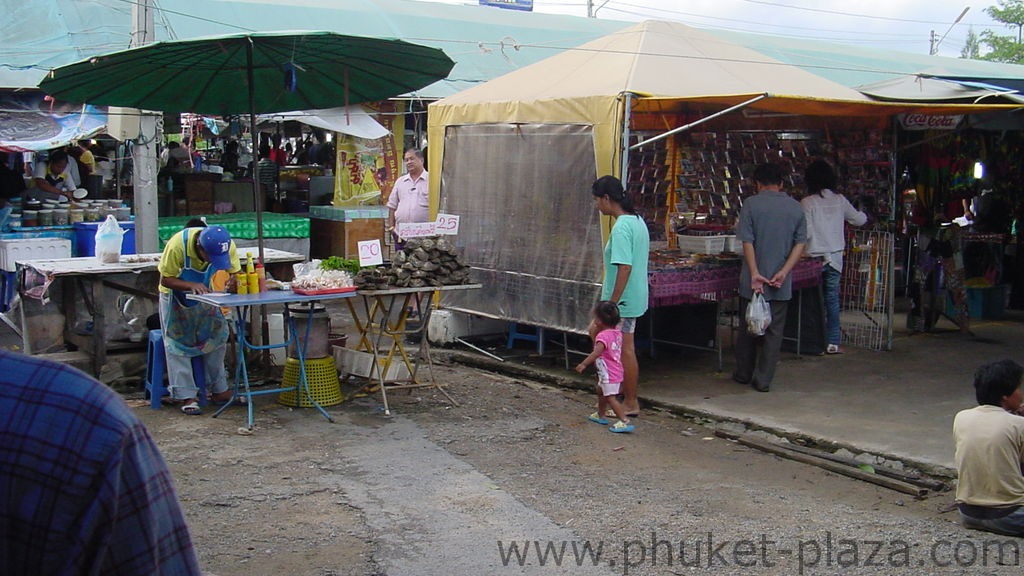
(144, 161)
(592, 10)
(935, 43)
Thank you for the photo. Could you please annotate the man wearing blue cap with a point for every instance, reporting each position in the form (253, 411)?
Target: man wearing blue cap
(188, 264)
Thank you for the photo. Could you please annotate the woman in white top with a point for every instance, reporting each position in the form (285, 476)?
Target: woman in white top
(826, 211)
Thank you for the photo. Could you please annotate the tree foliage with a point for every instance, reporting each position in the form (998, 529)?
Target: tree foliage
(1005, 48)
(972, 46)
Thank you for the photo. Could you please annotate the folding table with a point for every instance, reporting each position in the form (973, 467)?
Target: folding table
(382, 322)
(241, 305)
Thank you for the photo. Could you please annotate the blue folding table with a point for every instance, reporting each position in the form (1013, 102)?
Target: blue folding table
(241, 305)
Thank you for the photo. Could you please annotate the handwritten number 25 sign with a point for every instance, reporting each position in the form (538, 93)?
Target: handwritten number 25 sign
(447, 224)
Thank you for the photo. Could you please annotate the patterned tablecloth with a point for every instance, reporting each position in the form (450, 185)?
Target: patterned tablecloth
(673, 287)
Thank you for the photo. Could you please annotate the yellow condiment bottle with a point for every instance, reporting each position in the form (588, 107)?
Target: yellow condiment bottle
(251, 277)
(241, 284)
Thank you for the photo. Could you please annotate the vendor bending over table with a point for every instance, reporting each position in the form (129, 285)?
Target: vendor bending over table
(189, 263)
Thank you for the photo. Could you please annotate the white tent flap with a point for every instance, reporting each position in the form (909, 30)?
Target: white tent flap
(351, 120)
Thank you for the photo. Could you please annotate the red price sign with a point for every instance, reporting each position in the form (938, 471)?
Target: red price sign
(370, 253)
(447, 224)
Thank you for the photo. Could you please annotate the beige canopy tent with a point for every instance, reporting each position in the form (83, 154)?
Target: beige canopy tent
(515, 156)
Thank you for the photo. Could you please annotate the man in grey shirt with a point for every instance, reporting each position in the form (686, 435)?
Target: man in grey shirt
(773, 230)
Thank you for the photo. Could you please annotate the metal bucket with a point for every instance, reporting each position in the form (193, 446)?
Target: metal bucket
(318, 344)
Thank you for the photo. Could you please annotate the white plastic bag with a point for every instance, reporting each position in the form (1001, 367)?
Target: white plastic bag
(108, 241)
(759, 315)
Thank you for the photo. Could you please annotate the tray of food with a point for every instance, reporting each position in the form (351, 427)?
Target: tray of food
(322, 291)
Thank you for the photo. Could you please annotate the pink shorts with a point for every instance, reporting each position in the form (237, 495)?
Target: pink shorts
(609, 388)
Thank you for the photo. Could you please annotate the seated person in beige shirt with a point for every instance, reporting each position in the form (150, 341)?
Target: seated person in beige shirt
(990, 452)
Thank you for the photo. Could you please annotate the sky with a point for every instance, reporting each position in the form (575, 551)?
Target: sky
(899, 25)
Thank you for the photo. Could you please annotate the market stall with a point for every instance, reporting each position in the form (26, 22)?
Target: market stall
(681, 116)
(74, 301)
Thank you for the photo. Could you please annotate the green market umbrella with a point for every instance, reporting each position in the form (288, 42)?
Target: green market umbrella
(257, 73)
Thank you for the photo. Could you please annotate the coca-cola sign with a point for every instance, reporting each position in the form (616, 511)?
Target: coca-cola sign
(930, 121)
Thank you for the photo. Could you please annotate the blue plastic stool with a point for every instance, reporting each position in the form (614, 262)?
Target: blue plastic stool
(156, 367)
(514, 334)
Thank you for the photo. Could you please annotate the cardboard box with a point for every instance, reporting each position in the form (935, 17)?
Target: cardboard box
(334, 238)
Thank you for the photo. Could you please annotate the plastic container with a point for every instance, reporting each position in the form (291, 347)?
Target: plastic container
(76, 215)
(46, 217)
(123, 214)
(241, 283)
(261, 274)
(30, 218)
(85, 238)
(60, 217)
(91, 214)
(701, 244)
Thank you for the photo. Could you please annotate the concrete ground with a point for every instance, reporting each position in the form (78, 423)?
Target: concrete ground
(898, 405)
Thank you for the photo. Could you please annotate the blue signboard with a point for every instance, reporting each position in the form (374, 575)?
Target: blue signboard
(526, 5)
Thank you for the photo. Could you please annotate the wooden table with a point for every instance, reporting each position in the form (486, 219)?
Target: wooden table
(382, 322)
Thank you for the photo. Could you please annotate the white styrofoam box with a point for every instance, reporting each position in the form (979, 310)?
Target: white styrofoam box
(357, 363)
(701, 244)
(447, 325)
(21, 249)
(275, 324)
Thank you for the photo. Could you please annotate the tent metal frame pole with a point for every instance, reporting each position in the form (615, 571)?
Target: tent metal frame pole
(624, 154)
(729, 110)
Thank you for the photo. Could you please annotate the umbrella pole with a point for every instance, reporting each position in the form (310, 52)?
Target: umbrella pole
(257, 196)
(257, 193)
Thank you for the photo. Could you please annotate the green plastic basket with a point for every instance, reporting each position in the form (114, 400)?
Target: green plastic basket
(322, 378)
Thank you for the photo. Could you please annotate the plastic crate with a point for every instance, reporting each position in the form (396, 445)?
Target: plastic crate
(701, 244)
(22, 249)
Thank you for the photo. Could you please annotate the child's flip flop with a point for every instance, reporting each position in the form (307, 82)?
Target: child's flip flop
(621, 427)
(191, 409)
(595, 417)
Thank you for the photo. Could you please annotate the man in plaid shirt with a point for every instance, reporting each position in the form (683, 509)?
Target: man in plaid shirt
(83, 488)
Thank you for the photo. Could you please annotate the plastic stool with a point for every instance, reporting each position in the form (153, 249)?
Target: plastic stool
(156, 367)
(514, 334)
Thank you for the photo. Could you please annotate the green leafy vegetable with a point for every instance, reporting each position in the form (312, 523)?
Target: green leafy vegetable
(339, 263)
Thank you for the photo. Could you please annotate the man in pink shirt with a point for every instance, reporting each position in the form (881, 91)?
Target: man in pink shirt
(409, 199)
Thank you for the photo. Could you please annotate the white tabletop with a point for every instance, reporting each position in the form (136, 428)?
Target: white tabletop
(87, 265)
